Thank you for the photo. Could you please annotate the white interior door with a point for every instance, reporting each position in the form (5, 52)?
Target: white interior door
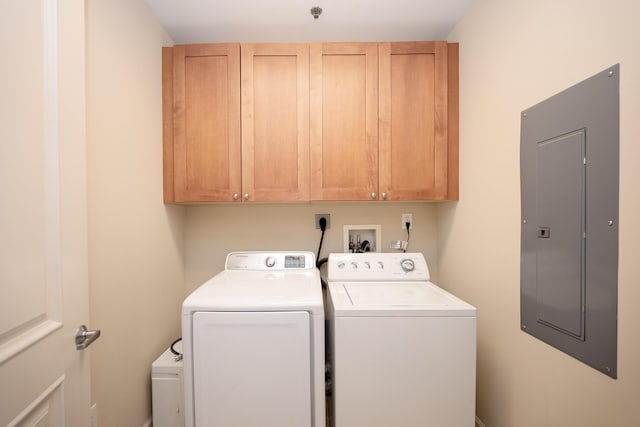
(43, 238)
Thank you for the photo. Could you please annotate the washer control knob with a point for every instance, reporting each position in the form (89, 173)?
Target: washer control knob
(270, 261)
(341, 265)
(381, 264)
(407, 265)
(368, 265)
(355, 265)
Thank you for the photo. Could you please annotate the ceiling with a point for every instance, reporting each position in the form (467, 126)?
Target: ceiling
(206, 21)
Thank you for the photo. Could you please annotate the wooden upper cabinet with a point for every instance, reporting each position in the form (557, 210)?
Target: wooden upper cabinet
(205, 134)
(344, 121)
(415, 161)
(275, 122)
(320, 121)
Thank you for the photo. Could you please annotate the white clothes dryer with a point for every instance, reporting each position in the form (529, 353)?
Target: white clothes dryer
(253, 341)
(402, 350)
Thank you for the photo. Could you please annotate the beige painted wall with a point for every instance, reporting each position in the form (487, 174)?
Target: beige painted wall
(514, 54)
(137, 268)
(212, 231)
(508, 63)
(135, 242)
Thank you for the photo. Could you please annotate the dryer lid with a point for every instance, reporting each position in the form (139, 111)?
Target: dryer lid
(261, 281)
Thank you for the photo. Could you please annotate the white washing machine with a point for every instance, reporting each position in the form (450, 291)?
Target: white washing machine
(253, 341)
(402, 350)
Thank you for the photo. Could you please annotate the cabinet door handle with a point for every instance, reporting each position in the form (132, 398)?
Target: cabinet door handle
(373, 196)
(384, 196)
(235, 196)
(246, 196)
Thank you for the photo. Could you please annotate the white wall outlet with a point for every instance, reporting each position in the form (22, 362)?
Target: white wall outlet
(399, 244)
(406, 218)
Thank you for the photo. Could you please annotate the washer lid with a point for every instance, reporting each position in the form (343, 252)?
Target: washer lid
(398, 294)
(395, 299)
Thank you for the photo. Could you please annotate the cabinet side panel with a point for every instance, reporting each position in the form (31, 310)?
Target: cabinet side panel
(453, 87)
(167, 124)
(441, 120)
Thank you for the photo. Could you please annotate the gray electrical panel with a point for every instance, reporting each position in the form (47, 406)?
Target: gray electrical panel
(569, 157)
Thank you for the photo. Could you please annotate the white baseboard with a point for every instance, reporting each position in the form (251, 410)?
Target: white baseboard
(149, 423)
(479, 422)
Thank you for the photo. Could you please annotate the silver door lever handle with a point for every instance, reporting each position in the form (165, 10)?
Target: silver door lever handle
(84, 337)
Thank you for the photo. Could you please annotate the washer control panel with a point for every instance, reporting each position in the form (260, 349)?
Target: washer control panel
(373, 266)
(270, 261)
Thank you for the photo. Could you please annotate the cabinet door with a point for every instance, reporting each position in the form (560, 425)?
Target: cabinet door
(413, 120)
(275, 122)
(344, 121)
(206, 122)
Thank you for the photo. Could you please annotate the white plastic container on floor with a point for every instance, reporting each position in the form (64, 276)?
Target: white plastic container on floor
(167, 390)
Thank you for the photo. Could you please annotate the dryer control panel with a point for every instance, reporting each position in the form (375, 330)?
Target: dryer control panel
(274, 260)
(373, 266)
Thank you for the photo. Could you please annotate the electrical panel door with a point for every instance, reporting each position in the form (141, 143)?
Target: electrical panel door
(560, 233)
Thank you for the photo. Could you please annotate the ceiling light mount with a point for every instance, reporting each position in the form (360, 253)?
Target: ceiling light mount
(316, 11)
